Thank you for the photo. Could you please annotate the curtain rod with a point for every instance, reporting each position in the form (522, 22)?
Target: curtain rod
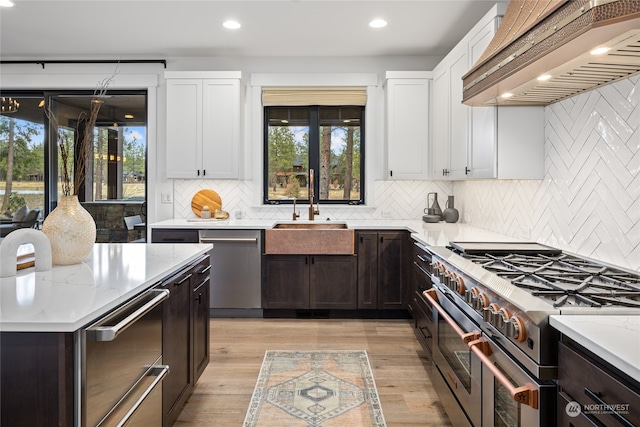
(113, 61)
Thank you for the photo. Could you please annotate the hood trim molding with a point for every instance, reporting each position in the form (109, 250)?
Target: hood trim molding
(559, 45)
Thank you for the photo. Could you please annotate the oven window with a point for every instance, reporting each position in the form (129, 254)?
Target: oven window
(456, 352)
(506, 410)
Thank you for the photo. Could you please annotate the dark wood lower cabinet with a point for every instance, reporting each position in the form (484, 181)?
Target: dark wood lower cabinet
(36, 379)
(176, 345)
(606, 396)
(383, 259)
(309, 282)
(333, 282)
(185, 335)
(201, 285)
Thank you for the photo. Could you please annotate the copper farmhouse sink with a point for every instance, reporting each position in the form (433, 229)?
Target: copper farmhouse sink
(309, 238)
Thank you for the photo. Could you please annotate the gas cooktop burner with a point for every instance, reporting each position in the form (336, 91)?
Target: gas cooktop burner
(564, 279)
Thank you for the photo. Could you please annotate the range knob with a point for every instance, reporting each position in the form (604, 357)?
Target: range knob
(515, 329)
(447, 278)
(471, 296)
(458, 285)
(489, 312)
(501, 318)
(481, 302)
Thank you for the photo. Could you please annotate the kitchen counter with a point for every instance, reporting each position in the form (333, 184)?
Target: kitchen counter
(431, 234)
(66, 298)
(616, 339)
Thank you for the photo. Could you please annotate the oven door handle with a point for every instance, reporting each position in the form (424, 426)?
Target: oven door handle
(109, 333)
(526, 394)
(466, 337)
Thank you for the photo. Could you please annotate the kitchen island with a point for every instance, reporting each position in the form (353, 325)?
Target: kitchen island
(85, 342)
(69, 297)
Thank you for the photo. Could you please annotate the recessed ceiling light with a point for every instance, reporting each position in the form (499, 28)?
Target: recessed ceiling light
(506, 95)
(6, 3)
(599, 51)
(231, 25)
(378, 23)
(128, 116)
(544, 77)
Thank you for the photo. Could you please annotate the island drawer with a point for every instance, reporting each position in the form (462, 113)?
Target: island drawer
(602, 393)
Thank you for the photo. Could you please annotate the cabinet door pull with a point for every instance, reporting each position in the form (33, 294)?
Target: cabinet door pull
(361, 239)
(306, 260)
(381, 239)
(390, 173)
(184, 279)
(313, 260)
(204, 172)
(198, 172)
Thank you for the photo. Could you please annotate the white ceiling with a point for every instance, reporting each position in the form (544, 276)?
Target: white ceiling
(146, 29)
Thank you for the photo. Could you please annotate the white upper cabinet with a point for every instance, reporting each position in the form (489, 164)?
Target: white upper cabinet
(481, 142)
(407, 124)
(204, 124)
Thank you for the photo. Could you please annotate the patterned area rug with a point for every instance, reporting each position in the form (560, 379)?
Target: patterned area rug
(315, 389)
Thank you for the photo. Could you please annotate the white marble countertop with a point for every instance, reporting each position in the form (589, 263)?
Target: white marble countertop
(432, 234)
(615, 339)
(66, 298)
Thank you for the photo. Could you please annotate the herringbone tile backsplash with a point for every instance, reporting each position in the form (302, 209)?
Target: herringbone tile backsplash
(393, 200)
(588, 203)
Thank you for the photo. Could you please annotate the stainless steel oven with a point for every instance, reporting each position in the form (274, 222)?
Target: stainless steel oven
(492, 303)
(455, 362)
(490, 387)
(121, 365)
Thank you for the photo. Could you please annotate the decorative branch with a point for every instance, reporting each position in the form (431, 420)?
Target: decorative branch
(85, 145)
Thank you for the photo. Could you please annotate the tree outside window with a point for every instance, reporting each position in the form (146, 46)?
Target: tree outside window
(328, 140)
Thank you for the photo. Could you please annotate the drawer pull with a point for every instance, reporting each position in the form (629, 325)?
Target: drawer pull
(111, 332)
(204, 270)
(159, 372)
(616, 415)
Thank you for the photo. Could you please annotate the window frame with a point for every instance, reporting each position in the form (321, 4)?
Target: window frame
(50, 141)
(314, 156)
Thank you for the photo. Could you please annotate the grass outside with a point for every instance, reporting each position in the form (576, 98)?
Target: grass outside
(287, 193)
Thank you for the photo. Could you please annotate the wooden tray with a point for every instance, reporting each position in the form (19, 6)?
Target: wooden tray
(205, 198)
(26, 261)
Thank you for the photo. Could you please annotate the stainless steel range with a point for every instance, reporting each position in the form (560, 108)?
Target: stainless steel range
(494, 352)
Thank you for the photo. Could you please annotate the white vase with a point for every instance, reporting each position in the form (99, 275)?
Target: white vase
(71, 231)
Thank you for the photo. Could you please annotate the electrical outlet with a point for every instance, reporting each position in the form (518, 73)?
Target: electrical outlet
(387, 214)
(166, 198)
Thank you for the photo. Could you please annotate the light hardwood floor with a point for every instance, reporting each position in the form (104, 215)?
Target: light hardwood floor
(222, 394)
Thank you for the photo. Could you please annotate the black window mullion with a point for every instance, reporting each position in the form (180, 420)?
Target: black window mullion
(314, 148)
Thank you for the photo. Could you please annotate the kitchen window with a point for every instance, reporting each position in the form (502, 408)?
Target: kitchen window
(326, 138)
(30, 163)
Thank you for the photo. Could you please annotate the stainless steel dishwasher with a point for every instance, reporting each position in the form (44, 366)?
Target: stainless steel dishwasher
(235, 272)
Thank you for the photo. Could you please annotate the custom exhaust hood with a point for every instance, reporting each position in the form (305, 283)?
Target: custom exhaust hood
(545, 51)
